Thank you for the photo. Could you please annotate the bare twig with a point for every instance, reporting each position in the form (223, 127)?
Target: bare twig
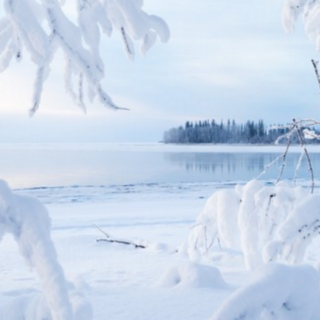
(107, 236)
(269, 165)
(121, 241)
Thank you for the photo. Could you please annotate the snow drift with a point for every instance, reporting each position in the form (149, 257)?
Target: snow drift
(277, 292)
(192, 275)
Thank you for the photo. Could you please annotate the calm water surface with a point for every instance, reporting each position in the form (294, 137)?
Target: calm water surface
(25, 166)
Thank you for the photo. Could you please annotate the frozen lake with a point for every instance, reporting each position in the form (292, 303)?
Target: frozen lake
(33, 166)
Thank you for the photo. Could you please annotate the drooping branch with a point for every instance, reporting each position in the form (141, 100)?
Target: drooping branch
(35, 26)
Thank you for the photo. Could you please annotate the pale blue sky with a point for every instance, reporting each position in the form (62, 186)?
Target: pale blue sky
(224, 60)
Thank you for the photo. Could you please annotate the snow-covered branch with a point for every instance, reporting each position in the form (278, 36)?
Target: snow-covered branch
(309, 10)
(302, 130)
(43, 27)
(28, 221)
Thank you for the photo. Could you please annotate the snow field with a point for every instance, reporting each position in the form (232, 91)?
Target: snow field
(119, 281)
(167, 280)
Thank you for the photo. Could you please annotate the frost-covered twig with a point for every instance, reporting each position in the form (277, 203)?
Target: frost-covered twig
(300, 129)
(284, 156)
(303, 146)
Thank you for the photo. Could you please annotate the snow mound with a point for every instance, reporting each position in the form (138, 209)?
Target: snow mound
(159, 247)
(277, 291)
(34, 307)
(192, 275)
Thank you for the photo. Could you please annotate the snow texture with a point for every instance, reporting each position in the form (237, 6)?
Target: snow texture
(277, 292)
(28, 221)
(296, 232)
(248, 221)
(115, 275)
(192, 275)
(43, 27)
(217, 222)
(310, 11)
(264, 222)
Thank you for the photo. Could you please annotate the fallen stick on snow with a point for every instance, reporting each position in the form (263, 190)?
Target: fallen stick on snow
(112, 240)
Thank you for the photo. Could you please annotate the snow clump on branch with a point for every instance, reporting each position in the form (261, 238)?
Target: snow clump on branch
(28, 221)
(262, 222)
(310, 10)
(43, 27)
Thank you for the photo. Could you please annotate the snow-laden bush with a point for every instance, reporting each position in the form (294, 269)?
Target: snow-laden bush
(277, 292)
(296, 232)
(217, 223)
(248, 222)
(246, 218)
(28, 221)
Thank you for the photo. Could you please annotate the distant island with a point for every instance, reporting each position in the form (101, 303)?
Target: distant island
(230, 132)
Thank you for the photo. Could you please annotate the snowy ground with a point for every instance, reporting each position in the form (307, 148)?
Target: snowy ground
(120, 281)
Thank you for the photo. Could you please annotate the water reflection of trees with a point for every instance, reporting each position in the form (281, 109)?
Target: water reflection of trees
(221, 162)
(232, 163)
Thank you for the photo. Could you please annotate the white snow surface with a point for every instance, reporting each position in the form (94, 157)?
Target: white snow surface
(118, 281)
(27, 220)
(275, 292)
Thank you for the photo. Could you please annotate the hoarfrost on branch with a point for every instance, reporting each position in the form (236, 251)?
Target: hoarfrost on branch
(42, 27)
(310, 12)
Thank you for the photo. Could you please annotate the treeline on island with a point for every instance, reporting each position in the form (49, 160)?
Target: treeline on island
(206, 131)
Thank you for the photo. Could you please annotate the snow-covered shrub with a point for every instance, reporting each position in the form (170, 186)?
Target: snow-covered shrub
(275, 202)
(217, 223)
(248, 222)
(245, 218)
(43, 27)
(296, 232)
(191, 274)
(277, 292)
(27, 219)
